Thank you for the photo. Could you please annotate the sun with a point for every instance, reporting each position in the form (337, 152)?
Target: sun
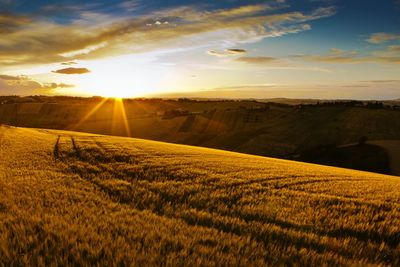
(113, 86)
(123, 77)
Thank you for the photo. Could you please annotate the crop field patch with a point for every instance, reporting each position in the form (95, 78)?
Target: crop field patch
(129, 201)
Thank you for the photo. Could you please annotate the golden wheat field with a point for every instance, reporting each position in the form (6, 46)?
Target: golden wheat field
(82, 199)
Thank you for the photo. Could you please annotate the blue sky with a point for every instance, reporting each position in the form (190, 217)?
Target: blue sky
(231, 48)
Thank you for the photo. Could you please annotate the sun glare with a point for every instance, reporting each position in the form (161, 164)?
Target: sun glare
(113, 86)
(119, 116)
(123, 77)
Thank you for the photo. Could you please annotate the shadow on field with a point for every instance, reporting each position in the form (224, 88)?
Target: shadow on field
(365, 157)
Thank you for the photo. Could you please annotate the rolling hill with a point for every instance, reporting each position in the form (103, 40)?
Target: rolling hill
(69, 198)
(266, 129)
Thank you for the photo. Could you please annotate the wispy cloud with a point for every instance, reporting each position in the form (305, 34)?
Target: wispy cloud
(56, 85)
(382, 81)
(266, 62)
(10, 23)
(129, 5)
(390, 55)
(394, 48)
(96, 35)
(382, 37)
(69, 63)
(258, 60)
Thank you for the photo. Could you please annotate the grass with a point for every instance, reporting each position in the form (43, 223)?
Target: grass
(81, 199)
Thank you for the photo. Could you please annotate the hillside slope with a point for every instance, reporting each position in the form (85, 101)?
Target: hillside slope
(393, 149)
(84, 199)
(266, 129)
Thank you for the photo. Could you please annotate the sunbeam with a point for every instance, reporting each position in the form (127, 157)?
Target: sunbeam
(119, 115)
(89, 114)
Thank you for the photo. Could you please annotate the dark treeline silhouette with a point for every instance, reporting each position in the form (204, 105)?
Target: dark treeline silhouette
(352, 103)
(258, 104)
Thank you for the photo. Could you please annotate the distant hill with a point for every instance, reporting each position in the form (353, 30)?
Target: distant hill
(263, 128)
(74, 199)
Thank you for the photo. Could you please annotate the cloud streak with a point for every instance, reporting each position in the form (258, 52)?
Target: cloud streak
(382, 37)
(72, 71)
(258, 60)
(390, 55)
(11, 23)
(129, 5)
(227, 52)
(69, 63)
(35, 40)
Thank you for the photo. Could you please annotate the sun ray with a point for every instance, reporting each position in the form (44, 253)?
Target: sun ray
(89, 114)
(119, 115)
(125, 119)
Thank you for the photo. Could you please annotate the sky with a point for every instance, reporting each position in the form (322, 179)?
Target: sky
(325, 49)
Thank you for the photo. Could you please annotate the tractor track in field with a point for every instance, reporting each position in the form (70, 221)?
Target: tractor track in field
(56, 150)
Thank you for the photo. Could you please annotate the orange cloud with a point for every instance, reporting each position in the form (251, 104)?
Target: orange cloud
(237, 51)
(382, 37)
(72, 71)
(227, 52)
